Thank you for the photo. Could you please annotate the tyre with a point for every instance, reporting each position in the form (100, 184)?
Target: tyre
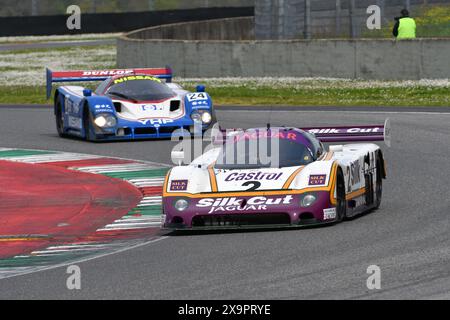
(87, 125)
(59, 119)
(341, 202)
(378, 184)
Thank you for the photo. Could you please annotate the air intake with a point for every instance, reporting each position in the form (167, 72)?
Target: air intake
(118, 107)
(175, 105)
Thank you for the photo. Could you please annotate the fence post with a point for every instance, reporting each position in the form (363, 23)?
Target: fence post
(34, 7)
(308, 19)
(338, 17)
(94, 6)
(151, 5)
(281, 19)
(408, 4)
(380, 3)
(352, 8)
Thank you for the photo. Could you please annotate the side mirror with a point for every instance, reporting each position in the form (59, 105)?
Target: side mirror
(177, 157)
(87, 92)
(201, 88)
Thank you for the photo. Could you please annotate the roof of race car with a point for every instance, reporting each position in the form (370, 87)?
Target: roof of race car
(126, 81)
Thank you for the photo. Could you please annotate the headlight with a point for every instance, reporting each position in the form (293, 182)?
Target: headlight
(206, 117)
(202, 116)
(197, 117)
(105, 121)
(181, 205)
(308, 200)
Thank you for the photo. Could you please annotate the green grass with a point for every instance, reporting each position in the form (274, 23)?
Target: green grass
(62, 40)
(59, 50)
(432, 21)
(409, 96)
(22, 95)
(416, 96)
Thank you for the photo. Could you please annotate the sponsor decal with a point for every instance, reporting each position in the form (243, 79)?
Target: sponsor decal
(179, 185)
(353, 174)
(329, 214)
(132, 78)
(200, 104)
(234, 204)
(99, 108)
(152, 107)
(347, 130)
(155, 122)
(273, 134)
(254, 176)
(317, 179)
(107, 73)
(102, 106)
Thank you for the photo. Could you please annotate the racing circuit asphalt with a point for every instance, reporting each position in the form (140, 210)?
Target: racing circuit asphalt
(408, 238)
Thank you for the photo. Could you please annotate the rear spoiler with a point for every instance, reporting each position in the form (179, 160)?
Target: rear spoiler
(101, 75)
(353, 134)
(328, 134)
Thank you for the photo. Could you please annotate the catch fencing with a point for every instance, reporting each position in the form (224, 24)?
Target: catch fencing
(305, 19)
(21, 8)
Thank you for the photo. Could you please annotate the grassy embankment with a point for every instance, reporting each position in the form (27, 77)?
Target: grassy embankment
(22, 81)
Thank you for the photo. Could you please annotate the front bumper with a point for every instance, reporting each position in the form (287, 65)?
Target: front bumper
(135, 131)
(281, 212)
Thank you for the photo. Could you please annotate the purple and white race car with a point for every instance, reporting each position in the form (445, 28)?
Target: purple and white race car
(309, 185)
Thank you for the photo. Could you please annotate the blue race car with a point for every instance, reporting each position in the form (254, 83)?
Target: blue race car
(128, 104)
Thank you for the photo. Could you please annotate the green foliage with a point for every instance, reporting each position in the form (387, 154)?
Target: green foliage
(432, 21)
(410, 96)
(167, 4)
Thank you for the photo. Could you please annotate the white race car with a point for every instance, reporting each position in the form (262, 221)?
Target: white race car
(309, 185)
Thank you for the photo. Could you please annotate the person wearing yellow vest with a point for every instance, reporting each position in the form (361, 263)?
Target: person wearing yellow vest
(405, 27)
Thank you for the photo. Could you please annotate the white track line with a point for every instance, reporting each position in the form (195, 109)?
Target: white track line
(117, 227)
(80, 260)
(51, 158)
(116, 168)
(343, 111)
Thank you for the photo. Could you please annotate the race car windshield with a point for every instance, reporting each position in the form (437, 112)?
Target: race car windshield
(263, 153)
(140, 90)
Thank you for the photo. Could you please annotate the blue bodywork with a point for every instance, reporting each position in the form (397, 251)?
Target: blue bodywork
(76, 108)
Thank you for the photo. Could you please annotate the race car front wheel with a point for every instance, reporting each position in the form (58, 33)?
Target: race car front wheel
(341, 203)
(87, 125)
(59, 119)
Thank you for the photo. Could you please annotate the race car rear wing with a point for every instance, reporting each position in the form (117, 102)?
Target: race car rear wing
(101, 75)
(353, 133)
(331, 134)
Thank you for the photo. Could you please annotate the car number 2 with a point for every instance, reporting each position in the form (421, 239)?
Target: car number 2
(255, 185)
